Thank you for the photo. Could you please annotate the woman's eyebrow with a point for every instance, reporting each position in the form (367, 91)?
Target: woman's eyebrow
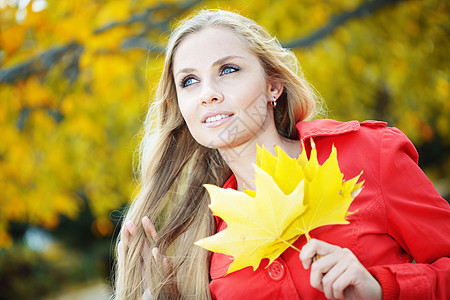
(220, 61)
(185, 70)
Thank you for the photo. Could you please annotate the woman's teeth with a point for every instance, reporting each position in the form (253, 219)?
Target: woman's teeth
(216, 118)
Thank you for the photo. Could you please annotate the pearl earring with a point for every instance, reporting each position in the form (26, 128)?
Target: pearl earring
(274, 102)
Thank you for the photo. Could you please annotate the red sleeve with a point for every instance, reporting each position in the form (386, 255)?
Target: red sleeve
(418, 219)
(389, 284)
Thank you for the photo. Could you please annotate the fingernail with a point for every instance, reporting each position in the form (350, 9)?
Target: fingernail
(155, 253)
(130, 226)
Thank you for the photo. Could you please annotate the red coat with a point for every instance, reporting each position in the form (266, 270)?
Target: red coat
(399, 218)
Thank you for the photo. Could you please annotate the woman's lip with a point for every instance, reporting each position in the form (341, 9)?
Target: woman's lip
(215, 113)
(218, 122)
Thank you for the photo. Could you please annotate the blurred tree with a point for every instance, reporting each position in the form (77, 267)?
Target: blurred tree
(76, 77)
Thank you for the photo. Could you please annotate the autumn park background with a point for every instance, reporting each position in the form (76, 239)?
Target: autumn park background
(76, 78)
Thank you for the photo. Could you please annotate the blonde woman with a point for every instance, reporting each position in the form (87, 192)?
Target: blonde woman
(226, 86)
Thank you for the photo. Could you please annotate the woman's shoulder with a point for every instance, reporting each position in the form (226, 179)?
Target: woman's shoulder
(369, 140)
(330, 127)
(369, 131)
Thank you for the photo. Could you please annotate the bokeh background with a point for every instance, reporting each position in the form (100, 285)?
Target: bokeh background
(75, 82)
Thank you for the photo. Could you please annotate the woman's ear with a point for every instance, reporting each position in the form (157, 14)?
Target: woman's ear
(274, 88)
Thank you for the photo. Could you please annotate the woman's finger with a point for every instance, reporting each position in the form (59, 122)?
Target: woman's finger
(329, 279)
(147, 295)
(344, 284)
(315, 247)
(149, 228)
(319, 270)
(167, 267)
(128, 229)
(155, 253)
(124, 235)
(357, 283)
(131, 227)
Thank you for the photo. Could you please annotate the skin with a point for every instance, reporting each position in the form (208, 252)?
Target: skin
(216, 72)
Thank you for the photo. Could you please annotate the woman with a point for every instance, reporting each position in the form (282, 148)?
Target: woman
(227, 86)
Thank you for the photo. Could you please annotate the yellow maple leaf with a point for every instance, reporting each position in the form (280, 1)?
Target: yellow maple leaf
(256, 225)
(292, 197)
(326, 196)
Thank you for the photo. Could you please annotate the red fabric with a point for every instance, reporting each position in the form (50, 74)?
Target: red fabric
(399, 217)
(389, 285)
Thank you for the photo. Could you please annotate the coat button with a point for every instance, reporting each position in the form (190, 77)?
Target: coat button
(276, 271)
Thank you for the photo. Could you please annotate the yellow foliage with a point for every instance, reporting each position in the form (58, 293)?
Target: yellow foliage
(357, 64)
(342, 35)
(113, 11)
(12, 38)
(87, 128)
(33, 94)
(69, 30)
(107, 40)
(5, 239)
(36, 20)
(68, 105)
(349, 5)
(318, 14)
(443, 88)
(42, 120)
(107, 71)
(443, 126)
(67, 205)
(49, 220)
(102, 201)
(15, 209)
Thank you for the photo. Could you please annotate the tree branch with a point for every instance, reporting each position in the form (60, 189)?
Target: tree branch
(142, 17)
(38, 64)
(336, 21)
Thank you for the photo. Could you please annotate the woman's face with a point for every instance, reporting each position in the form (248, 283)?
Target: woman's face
(221, 89)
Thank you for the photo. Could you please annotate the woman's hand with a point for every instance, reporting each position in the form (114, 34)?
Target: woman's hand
(127, 232)
(338, 273)
(129, 229)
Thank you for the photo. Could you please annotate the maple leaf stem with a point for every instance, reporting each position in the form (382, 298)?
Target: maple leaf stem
(295, 248)
(290, 245)
(308, 237)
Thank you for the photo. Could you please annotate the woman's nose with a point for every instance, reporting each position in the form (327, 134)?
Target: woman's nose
(210, 94)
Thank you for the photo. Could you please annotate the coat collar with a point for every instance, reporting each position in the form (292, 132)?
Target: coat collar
(316, 128)
(325, 127)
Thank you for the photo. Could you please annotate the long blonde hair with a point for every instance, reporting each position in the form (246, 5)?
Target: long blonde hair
(173, 167)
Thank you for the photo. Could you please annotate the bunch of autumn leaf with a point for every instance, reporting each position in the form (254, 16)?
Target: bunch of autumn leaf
(292, 197)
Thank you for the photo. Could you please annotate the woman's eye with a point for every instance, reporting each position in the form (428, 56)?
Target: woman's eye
(188, 81)
(229, 69)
